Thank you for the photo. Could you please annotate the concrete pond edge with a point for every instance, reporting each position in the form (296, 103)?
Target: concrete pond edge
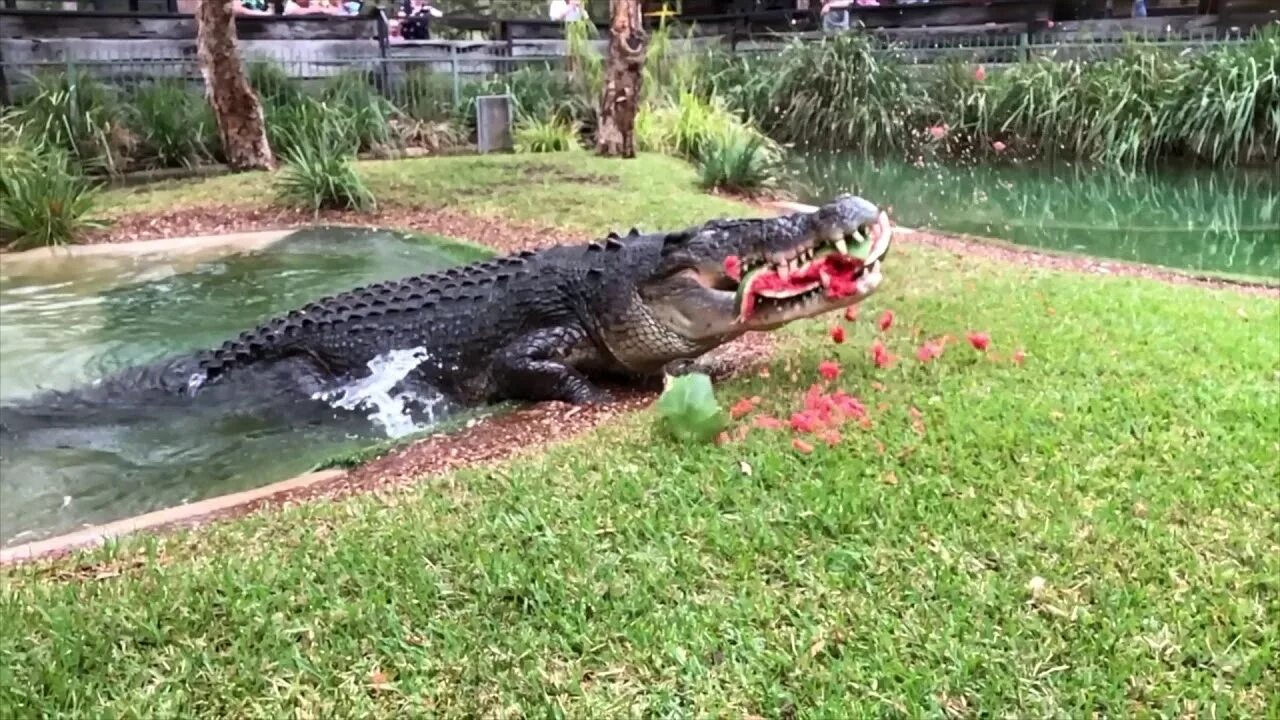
(187, 513)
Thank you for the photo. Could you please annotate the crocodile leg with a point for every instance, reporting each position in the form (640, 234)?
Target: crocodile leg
(533, 368)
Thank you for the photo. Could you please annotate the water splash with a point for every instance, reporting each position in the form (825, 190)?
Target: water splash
(373, 392)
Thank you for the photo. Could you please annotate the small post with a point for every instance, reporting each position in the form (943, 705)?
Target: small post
(453, 70)
(493, 123)
(4, 82)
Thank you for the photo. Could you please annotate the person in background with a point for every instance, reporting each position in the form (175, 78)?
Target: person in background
(835, 15)
(415, 23)
(567, 10)
(254, 7)
(311, 7)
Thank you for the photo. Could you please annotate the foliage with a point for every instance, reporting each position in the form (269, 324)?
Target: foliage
(692, 125)
(738, 162)
(543, 136)
(368, 113)
(43, 199)
(173, 124)
(77, 113)
(1218, 104)
(318, 151)
(688, 411)
(426, 95)
(272, 83)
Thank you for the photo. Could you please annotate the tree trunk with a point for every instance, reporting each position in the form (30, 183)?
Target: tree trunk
(624, 72)
(236, 107)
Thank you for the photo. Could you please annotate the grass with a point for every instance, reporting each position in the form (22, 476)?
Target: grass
(1090, 532)
(574, 190)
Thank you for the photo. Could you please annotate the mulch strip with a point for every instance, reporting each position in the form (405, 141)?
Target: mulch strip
(501, 235)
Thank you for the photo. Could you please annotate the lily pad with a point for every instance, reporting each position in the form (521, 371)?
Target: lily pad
(688, 409)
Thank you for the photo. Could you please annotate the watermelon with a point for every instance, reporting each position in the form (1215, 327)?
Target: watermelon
(840, 271)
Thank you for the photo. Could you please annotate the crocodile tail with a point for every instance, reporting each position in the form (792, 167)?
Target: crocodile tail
(262, 344)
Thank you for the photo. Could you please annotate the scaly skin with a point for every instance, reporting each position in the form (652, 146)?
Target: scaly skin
(536, 325)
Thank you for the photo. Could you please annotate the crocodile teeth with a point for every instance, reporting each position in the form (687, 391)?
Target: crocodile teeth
(784, 270)
(841, 246)
(825, 277)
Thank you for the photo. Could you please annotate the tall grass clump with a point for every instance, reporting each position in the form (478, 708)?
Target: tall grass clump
(731, 154)
(369, 114)
(318, 172)
(838, 93)
(272, 83)
(173, 124)
(1228, 107)
(78, 114)
(671, 66)
(44, 199)
(426, 96)
(546, 136)
(738, 162)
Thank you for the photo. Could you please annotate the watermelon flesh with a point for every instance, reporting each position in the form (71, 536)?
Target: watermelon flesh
(834, 272)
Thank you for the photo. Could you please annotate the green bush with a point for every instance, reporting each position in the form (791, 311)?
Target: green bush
(543, 136)
(173, 124)
(426, 96)
(354, 96)
(77, 113)
(738, 162)
(318, 174)
(43, 199)
(273, 84)
(691, 126)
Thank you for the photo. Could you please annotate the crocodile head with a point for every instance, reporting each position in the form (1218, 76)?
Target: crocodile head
(731, 277)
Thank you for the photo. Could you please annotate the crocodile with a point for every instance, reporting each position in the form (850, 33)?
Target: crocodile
(546, 324)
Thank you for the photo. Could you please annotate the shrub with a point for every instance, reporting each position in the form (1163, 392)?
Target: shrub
(427, 96)
(173, 125)
(543, 136)
(838, 93)
(370, 114)
(691, 126)
(43, 200)
(78, 114)
(738, 162)
(272, 84)
(318, 174)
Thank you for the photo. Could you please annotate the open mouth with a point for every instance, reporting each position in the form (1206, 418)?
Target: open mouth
(804, 276)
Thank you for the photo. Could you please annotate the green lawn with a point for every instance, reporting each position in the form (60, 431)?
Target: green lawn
(1093, 531)
(575, 190)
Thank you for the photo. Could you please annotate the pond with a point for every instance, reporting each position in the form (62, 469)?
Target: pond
(1222, 221)
(67, 322)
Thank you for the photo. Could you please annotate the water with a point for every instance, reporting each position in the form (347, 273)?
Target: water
(67, 322)
(1225, 221)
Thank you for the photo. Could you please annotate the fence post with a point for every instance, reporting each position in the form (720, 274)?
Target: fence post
(1024, 45)
(453, 71)
(4, 82)
(73, 87)
(384, 40)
